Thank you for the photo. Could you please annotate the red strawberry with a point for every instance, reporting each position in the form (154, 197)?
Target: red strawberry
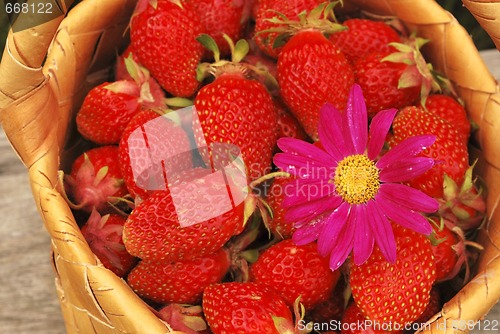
(380, 81)
(295, 271)
(275, 196)
(463, 204)
(128, 67)
(163, 34)
(364, 36)
(146, 145)
(181, 282)
(193, 217)
(248, 9)
(237, 110)
(452, 251)
(104, 236)
(288, 126)
(268, 9)
(395, 293)
(450, 110)
(311, 72)
(95, 180)
(106, 110)
(443, 248)
(434, 306)
(221, 17)
(265, 68)
(245, 308)
(254, 7)
(258, 58)
(332, 309)
(355, 322)
(449, 150)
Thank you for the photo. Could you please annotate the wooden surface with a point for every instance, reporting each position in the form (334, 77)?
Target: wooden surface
(28, 300)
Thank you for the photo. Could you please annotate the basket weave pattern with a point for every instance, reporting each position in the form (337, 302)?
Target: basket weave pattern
(46, 71)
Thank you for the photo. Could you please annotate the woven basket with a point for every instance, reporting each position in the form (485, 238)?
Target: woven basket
(46, 71)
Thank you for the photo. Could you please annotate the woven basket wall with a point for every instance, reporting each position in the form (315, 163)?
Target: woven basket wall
(46, 71)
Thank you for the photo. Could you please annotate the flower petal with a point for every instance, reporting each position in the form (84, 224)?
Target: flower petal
(379, 127)
(311, 209)
(410, 198)
(344, 245)
(407, 169)
(363, 238)
(334, 225)
(356, 119)
(405, 217)
(330, 131)
(301, 190)
(301, 166)
(382, 230)
(407, 148)
(315, 155)
(309, 232)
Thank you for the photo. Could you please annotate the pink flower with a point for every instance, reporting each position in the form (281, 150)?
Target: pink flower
(346, 193)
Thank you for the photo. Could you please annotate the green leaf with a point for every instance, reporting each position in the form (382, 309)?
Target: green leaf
(317, 12)
(180, 102)
(146, 94)
(241, 50)
(402, 47)
(209, 43)
(278, 19)
(139, 73)
(400, 57)
(419, 42)
(250, 255)
(282, 325)
(177, 2)
(410, 78)
(250, 205)
(450, 188)
(280, 40)
(195, 323)
(101, 174)
(123, 86)
(202, 71)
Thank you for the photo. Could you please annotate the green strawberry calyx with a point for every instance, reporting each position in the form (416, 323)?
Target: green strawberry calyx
(321, 18)
(184, 317)
(459, 201)
(93, 186)
(255, 201)
(97, 235)
(240, 252)
(123, 87)
(284, 326)
(150, 93)
(418, 71)
(239, 51)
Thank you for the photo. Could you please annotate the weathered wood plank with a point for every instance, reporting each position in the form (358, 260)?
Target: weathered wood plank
(28, 300)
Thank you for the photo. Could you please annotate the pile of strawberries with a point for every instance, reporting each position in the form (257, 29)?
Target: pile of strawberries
(254, 72)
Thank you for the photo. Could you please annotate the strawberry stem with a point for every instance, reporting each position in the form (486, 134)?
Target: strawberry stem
(267, 177)
(317, 19)
(64, 194)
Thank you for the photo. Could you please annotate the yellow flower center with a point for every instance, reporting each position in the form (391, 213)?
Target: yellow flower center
(357, 179)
